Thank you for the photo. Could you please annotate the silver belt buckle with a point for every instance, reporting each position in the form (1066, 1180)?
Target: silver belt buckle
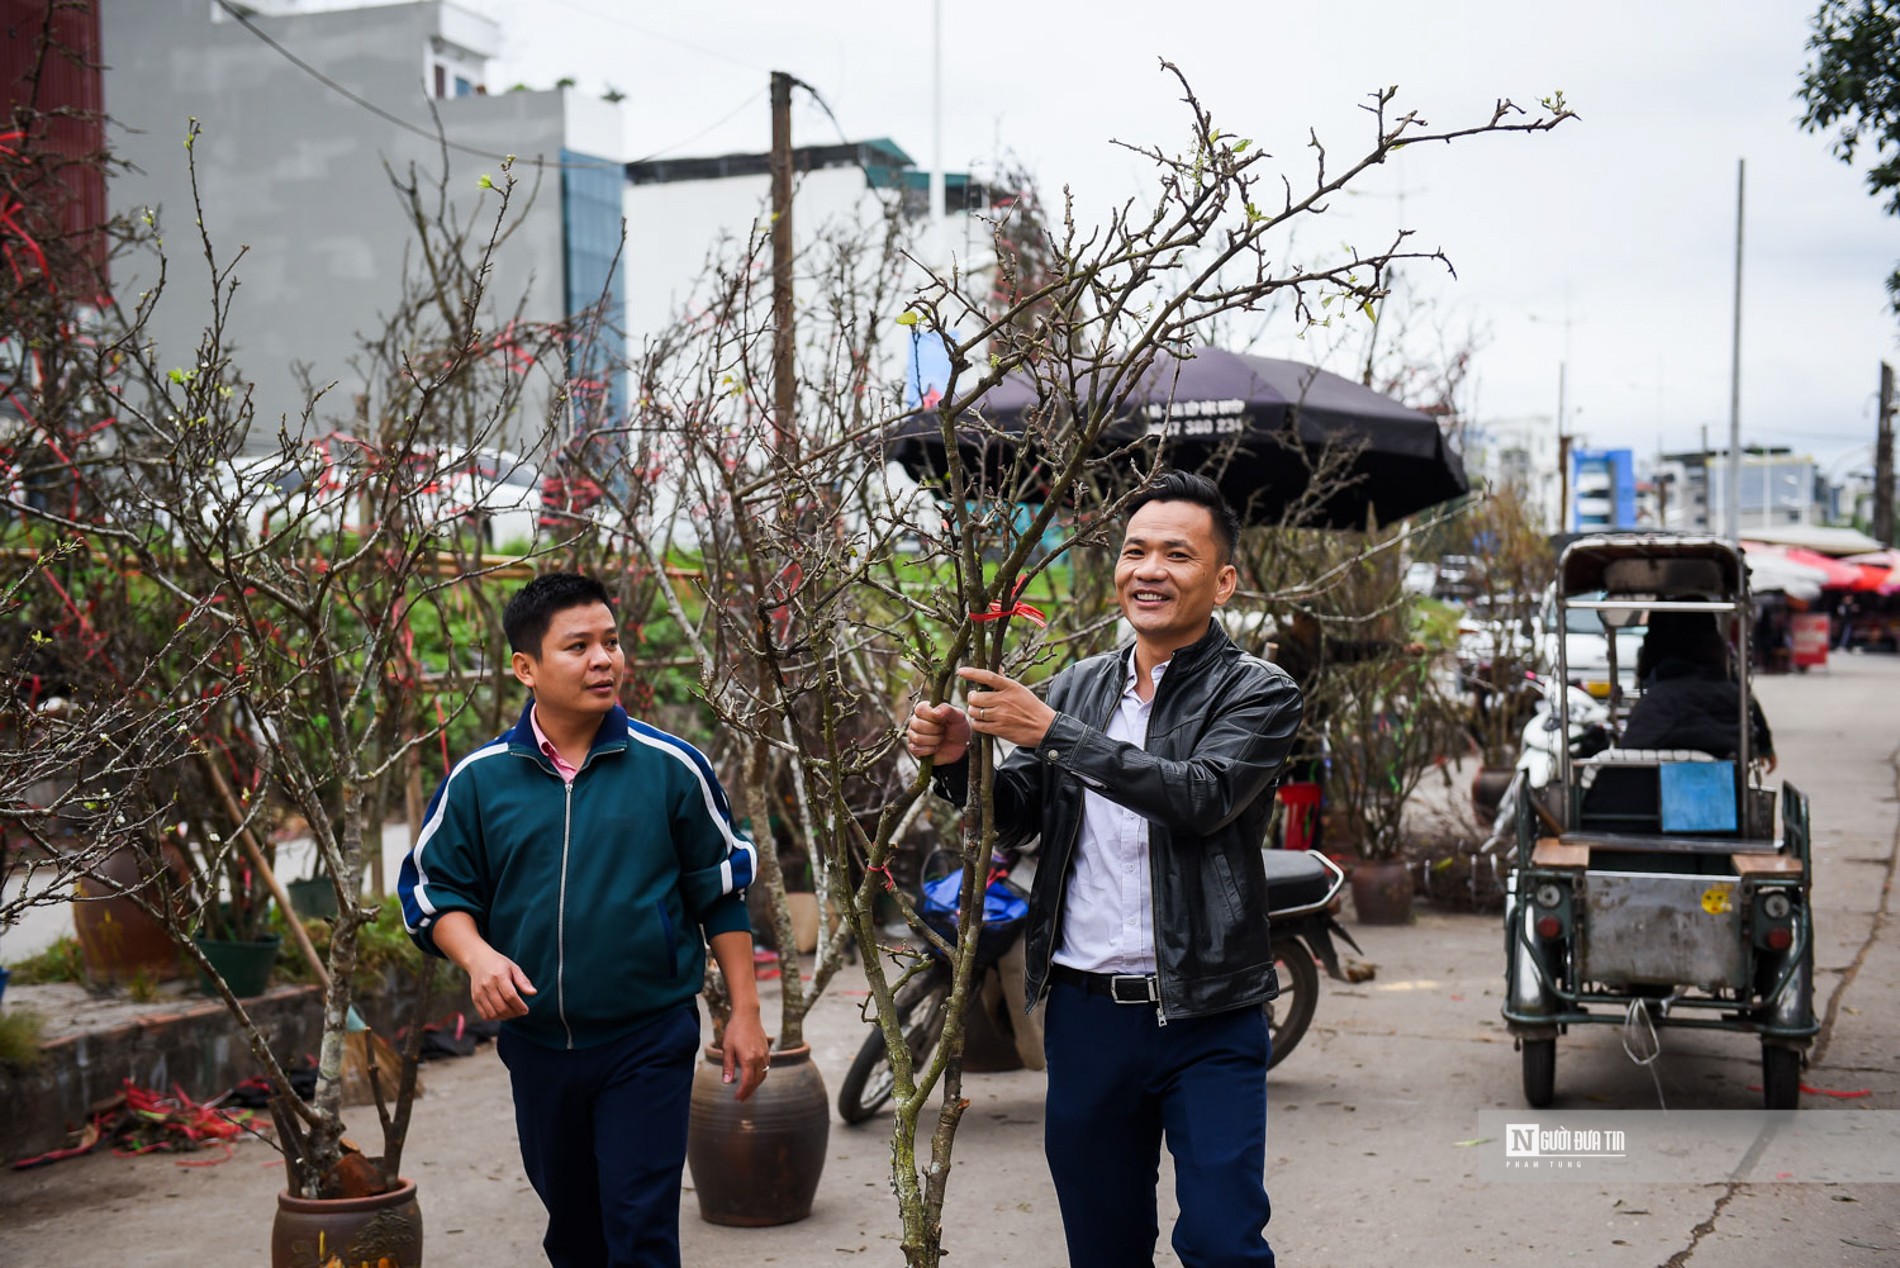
(1142, 988)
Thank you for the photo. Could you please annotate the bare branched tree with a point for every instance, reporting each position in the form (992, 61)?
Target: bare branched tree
(222, 631)
(820, 593)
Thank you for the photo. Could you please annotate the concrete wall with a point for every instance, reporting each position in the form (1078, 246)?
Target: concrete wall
(197, 1046)
(293, 172)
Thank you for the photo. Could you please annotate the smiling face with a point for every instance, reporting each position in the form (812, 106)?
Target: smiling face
(577, 673)
(1170, 576)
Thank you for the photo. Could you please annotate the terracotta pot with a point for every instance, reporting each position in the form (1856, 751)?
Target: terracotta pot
(116, 939)
(380, 1232)
(1487, 790)
(804, 911)
(757, 1162)
(1382, 892)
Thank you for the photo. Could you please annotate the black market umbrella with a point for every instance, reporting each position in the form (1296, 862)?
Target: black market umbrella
(1261, 427)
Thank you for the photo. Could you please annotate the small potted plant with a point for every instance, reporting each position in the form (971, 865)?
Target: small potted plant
(1388, 726)
(1499, 645)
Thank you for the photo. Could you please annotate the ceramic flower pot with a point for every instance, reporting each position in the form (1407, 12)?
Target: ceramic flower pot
(757, 1162)
(244, 966)
(118, 939)
(384, 1231)
(1487, 790)
(1382, 892)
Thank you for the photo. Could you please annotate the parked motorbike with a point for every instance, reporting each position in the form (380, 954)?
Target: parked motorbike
(1587, 732)
(1302, 899)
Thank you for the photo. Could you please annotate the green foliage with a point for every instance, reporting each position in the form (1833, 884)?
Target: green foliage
(1852, 87)
(385, 942)
(381, 945)
(1434, 624)
(20, 1031)
(142, 986)
(61, 962)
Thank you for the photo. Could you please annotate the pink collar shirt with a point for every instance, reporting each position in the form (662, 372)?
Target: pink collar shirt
(566, 769)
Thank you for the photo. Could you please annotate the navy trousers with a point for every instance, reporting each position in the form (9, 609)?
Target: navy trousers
(603, 1138)
(1118, 1083)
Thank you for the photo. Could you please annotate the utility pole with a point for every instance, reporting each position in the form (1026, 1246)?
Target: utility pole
(1883, 461)
(1563, 447)
(939, 219)
(1563, 411)
(784, 358)
(1708, 483)
(1734, 490)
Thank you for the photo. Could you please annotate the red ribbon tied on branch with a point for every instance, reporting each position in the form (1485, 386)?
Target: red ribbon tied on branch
(1016, 607)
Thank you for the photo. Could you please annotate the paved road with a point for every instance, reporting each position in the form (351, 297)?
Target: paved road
(1370, 1160)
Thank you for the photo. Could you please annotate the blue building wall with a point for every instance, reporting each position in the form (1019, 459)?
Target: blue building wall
(1599, 475)
(591, 219)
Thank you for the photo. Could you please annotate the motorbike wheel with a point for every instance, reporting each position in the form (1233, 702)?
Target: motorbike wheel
(1780, 1077)
(1540, 1072)
(1291, 1012)
(921, 1006)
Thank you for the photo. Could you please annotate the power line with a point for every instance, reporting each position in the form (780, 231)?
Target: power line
(662, 36)
(407, 126)
(839, 129)
(724, 119)
(244, 20)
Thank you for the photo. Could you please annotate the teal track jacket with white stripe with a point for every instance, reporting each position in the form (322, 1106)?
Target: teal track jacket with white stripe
(599, 890)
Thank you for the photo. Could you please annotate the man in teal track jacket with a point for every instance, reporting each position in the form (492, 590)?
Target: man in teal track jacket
(576, 868)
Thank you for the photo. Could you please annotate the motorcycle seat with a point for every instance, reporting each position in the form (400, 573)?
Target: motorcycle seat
(1294, 879)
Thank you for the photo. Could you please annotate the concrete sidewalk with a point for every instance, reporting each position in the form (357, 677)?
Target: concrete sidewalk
(1371, 1157)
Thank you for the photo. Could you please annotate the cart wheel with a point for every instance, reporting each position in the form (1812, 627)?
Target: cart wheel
(1291, 1011)
(1780, 1077)
(1540, 1071)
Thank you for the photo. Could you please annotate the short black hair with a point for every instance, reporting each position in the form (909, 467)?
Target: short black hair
(529, 614)
(1189, 486)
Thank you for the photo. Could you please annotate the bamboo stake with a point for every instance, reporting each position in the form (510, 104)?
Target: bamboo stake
(248, 844)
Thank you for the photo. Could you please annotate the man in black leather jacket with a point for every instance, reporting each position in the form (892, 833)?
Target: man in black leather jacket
(1149, 775)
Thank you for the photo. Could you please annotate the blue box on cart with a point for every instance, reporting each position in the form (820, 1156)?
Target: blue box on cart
(1697, 796)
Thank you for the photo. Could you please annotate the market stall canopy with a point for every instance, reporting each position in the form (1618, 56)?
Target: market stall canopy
(1818, 538)
(1879, 571)
(1257, 425)
(1836, 574)
(1770, 569)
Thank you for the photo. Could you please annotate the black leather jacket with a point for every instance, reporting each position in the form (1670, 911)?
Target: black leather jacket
(1220, 726)
(1686, 705)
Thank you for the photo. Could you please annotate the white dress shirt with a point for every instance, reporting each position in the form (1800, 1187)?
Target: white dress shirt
(1108, 910)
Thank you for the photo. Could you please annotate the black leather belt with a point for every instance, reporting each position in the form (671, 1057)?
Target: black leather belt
(1123, 988)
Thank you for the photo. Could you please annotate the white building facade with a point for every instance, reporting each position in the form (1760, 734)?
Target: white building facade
(1778, 487)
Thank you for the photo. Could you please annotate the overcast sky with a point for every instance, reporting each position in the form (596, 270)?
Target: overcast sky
(1607, 245)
